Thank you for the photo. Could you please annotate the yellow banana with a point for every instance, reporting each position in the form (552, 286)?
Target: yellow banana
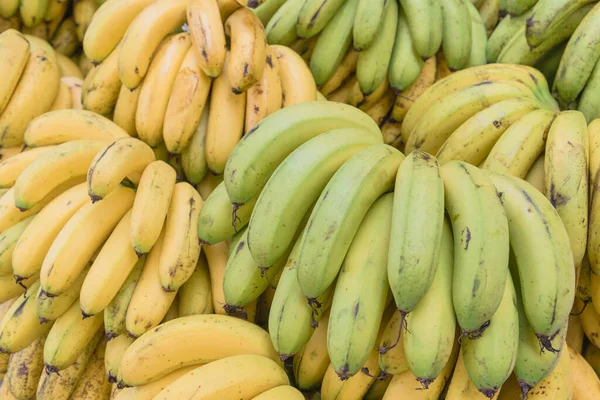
(195, 296)
(157, 86)
(102, 85)
(8, 240)
(55, 10)
(193, 157)
(67, 67)
(186, 105)
(279, 392)
(82, 235)
(115, 348)
(248, 49)
(379, 111)
(461, 386)
(125, 109)
(535, 175)
(408, 96)
(209, 184)
(393, 360)
(310, 363)
(65, 40)
(10, 214)
(266, 95)
(558, 384)
(346, 68)
(575, 335)
(592, 356)
(144, 36)
(33, 95)
(9, 152)
(9, 288)
(366, 101)
(208, 34)
(83, 14)
(76, 88)
(93, 384)
(149, 390)
(12, 167)
(8, 8)
(14, 53)
(63, 100)
(25, 369)
(49, 308)
(297, 82)
(225, 121)
(121, 158)
(33, 11)
(586, 384)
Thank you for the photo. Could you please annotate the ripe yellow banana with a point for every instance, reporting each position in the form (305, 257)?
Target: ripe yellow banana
(62, 126)
(93, 384)
(297, 82)
(49, 308)
(34, 93)
(65, 40)
(55, 10)
(157, 86)
(9, 152)
(461, 387)
(109, 25)
(281, 392)
(251, 375)
(102, 85)
(144, 35)
(187, 101)
(585, 380)
(311, 362)
(266, 95)
(67, 67)
(122, 158)
(125, 109)
(193, 157)
(575, 335)
(208, 35)
(10, 214)
(115, 348)
(25, 369)
(161, 351)
(33, 11)
(344, 71)
(364, 102)
(407, 97)
(76, 88)
(195, 296)
(181, 248)
(9, 288)
(83, 14)
(8, 240)
(393, 361)
(20, 325)
(520, 145)
(12, 167)
(535, 175)
(248, 49)
(152, 198)
(149, 390)
(63, 100)
(79, 239)
(558, 384)
(14, 54)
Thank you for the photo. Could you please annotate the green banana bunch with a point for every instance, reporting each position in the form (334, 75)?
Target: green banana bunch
(456, 33)
(481, 245)
(424, 18)
(315, 14)
(406, 64)
(360, 292)
(503, 33)
(516, 7)
(369, 14)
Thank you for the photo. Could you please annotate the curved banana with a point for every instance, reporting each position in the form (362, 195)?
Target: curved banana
(102, 85)
(266, 9)
(12, 167)
(516, 7)
(424, 19)
(535, 175)
(585, 380)
(490, 14)
(25, 369)
(367, 20)
(456, 33)
(14, 54)
(406, 98)
(341, 75)
(195, 295)
(589, 101)
(149, 390)
(144, 35)
(392, 357)
(115, 349)
(83, 14)
(479, 38)
(311, 362)
(281, 28)
(462, 387)
(559, 383)
(125, 109)
(503, 33)
(315, 15)
(297, 82)
(548, 16)
(405, 64)
(50, 308)
(265, 96)
(208, 35)
(8, 9)
(157, 86)
(62, 126)
(93, 383)
(63, 100)
(481, 245)
(9, 288)
(65, 40)
(8, 241)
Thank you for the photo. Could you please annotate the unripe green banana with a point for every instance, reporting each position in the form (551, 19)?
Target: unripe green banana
(281, 28)
(424, 18)
(481, 245)
(549, 63)
(338, 213)
(266, 10)
(516, 7)
(456, 35)
(315, 15)
(367, 20)
(405, 64)
(295, 185)
(589, 101)
(193, 157)
(478, 38)
(502, 34)
(8, 240)
(360, 292)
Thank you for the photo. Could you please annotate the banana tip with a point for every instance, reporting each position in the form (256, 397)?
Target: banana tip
(488, 392)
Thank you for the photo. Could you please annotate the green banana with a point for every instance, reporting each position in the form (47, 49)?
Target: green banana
(8, 241)
(580, 56)
(315, 14)
(9, 8)
(417, 225)
(281, 28)
(265, 146)
(549, 63)
(266, 10)
(589, 102)
(424, 18)
(292, 320)
(373, 62)
(478, 38)
(516, 7)
(338, 213)
(430, 329)
(193, 157)
(503, 33)
(490, 359)
(456, 33)
(481, 245)
(295, 185)
(361, 292)
(333, 43)
(219, 219)
(369, 14)
(405, 64)
(543, 254)
(235, 239)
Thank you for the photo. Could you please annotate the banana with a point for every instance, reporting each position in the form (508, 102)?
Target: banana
(297, 82)
(462, 387)
(558, 384)
(279, 392)
(341, 74)
(34, 93)
(9, 152)
(248, 49)
(549, 63)
(8, 241)
(503, 33)
(481, 245)
(547, 308)
(63, 100)
(265, 96)
(591, 354)
(144, 35)
(343, 93)
(187, 101)
(447, 115)
(72, 248)
(373, 62)
(195, 295)
(225, 121)
(36, 240)
(516, 7)
(260, 152)
(122, 158)
(62, 126)
(181, 248)
(109, 25)
(585, 380)
(227, 7)
(360, 292)
(405, 64)
(590, 322)
(57, 166)
(20, 325)
(161, 351)
(83, 14)
(125, 109)
(392, 357)
(252, 375)
(368, 18)
(174, 160)
(594, 165)
(589, 102)
(10, 214)
(549, 15)
(358, 99)
(148, 302)
(535, 175)
(281, 28)
(217, 256)
(102, 85)
(8, 8)
(9, 288)
(60, 386)
(380, 111)
(291, 319)
(315, 15)
(266, 9)
(475, 138)
(566, 176)
(478, 38)
(65, 40)
(14, 53)
(311, 362)
(456, 33)
(273, 225)
(520, 145)
(33, 11)
(490, 14)
(208, 36)
(406, 98)
(25, 369)
(156, 87)
(93, 384)
(326, 240)
(424, 18)
(50, 308)
(377, 389)
(149, 390)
